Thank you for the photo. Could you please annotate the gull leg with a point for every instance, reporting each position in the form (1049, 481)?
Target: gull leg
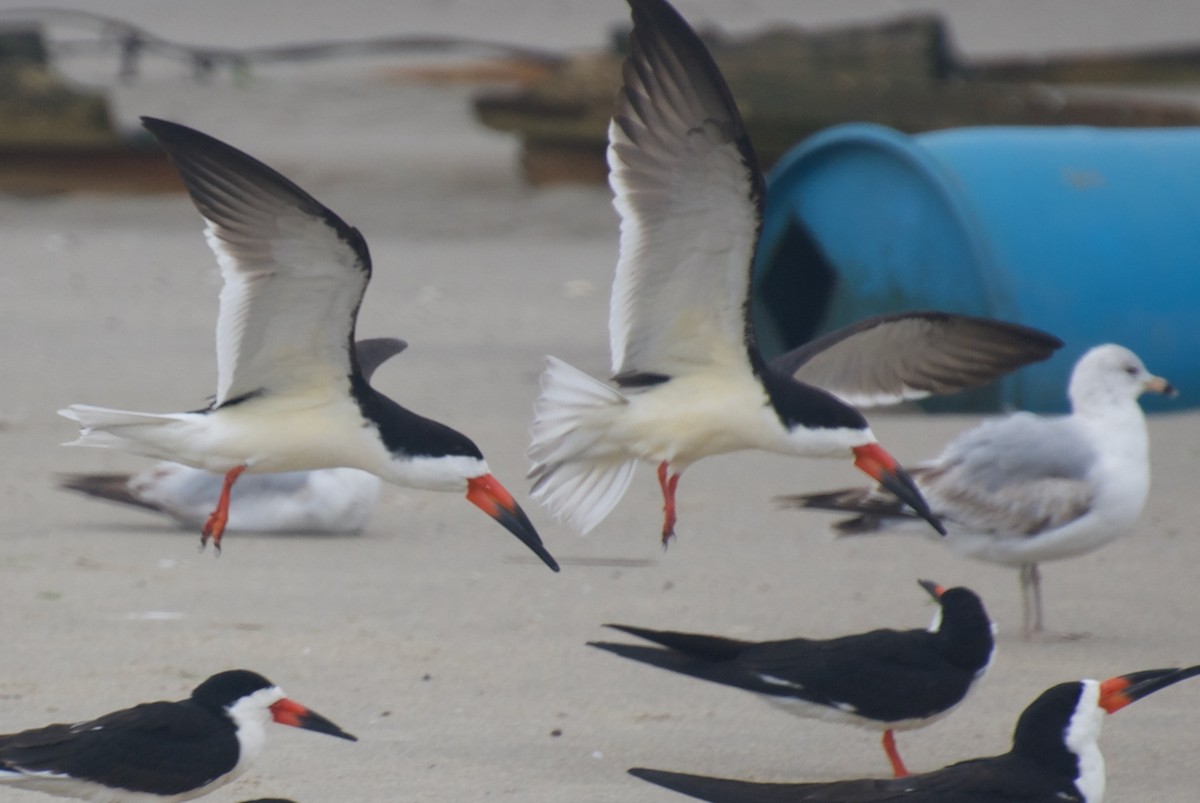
(1035, 577)
(214, 528)
(889, 747)
(1031, 600)
(667, 482)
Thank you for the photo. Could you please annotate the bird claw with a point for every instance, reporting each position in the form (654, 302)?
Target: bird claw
(212, 530)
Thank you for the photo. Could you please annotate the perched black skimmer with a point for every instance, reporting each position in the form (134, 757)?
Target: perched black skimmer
(329, 500)
(161, 751)
(290, 393)
(1055, 757)
(885, 680)
(1024, 489)
(689, 380)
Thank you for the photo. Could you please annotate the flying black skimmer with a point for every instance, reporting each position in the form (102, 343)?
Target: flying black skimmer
(885, 680)
(1055, 757)
(1024, 489)
(689, 380)
(330, 500)
(163, 751)
(290, 393)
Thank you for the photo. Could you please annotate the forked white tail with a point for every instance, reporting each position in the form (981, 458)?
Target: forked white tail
(104, 428)
(577, 473)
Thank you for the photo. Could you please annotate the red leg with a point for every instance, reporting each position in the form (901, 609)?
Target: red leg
(215, 526)
(889, 747)
(667, 482)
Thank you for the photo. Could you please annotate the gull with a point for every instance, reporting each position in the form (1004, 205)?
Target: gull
(1024, 489)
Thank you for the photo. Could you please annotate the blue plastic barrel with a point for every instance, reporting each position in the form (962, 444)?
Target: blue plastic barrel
(1091, 234)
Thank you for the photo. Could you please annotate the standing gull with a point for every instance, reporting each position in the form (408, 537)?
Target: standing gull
(689, 381)
(290, 393)
(1024, 489)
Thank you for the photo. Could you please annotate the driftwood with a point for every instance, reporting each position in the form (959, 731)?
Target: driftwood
(790, 83)
(56, 138)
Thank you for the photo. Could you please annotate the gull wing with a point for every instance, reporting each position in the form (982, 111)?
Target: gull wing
(294, 272)
(689, 194)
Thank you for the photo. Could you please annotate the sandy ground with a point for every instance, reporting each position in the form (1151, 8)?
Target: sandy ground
(458, 659)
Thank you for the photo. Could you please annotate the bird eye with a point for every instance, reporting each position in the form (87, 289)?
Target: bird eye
(1132, 370)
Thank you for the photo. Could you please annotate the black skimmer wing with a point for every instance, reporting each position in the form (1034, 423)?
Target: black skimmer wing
(170, 750)
(1024, 489)
(1055, 757)
(689, 379)
(912, 355)
(290, 392)
(294, 272)
(886, 680)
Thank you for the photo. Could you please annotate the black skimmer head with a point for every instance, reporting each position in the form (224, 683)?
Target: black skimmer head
(962, 625)
(291, 392)
(1055, 756)
(884, 680)
(158, 751)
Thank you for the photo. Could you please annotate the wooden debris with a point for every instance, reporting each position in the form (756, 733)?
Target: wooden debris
(790, 83)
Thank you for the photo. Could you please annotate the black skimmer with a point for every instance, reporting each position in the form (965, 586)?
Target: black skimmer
(162, 751)
(329, 500)
(1024, 489)
(1055, 757)
(689, 380)
(885, 680)
(290, 394)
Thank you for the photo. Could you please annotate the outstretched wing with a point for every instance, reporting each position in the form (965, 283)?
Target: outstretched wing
(294, 271)
(689, 195)
(910, 355)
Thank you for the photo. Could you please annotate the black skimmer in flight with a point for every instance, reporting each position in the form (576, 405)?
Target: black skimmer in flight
(1055, 757)
(163, 751)
(689, 380)
(885, 680)
(329, 500)
(290, 393)
(1024, 489)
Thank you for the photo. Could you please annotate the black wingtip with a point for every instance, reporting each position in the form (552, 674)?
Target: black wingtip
(716, 790)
